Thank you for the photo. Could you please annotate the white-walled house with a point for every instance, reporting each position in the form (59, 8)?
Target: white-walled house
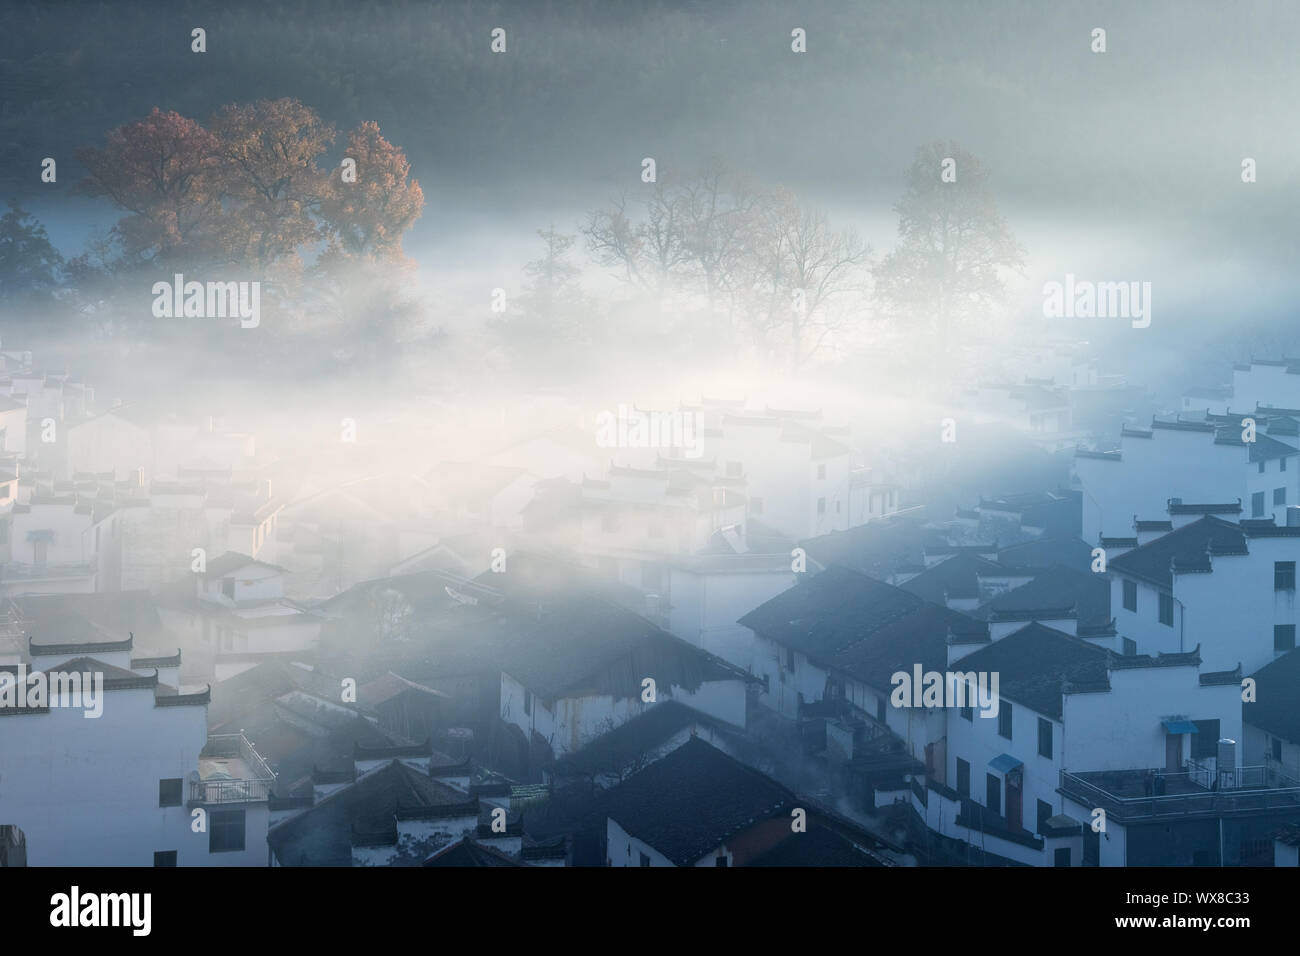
(124, 788)
(237, 611)
(1076, 722)
(1170, 460)
(584, 666)
(1227, 588)
(13, 426)
(840, 637)
(58, 543)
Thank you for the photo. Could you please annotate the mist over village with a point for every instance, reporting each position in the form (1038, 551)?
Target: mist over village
(648, 434)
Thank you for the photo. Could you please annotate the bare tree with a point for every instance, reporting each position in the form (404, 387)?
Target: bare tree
(799, 266)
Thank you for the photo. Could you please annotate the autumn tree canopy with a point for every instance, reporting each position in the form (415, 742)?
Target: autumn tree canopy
(252, 189)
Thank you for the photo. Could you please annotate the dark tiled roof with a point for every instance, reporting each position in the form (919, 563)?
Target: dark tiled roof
(1153, 525)
(590, 645)
(1262, 448)
(322, 836)
(1035, 663)
(956, 578)
(694, 800)
(826, 613)
(1277, 688)
(1059, 587)
(619, 748)
(1152, 561)
(1046, 552)
(818, 846)
(1181, 508)
(919, 637)
(469, 852)
(876, 548)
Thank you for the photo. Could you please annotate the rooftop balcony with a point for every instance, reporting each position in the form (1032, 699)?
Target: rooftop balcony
(1125, 796)
(231, 771)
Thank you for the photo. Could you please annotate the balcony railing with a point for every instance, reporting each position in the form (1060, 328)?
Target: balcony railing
(255, 780)
(1122, 793)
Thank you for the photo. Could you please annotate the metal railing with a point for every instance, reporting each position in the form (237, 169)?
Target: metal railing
(234, 790)
(1237, 790)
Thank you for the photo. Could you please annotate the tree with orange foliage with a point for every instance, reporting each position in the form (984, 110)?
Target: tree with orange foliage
(367, 218)
(160, 170)
(270, 179)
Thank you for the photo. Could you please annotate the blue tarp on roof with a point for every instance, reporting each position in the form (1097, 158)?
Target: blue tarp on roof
(1179, 727)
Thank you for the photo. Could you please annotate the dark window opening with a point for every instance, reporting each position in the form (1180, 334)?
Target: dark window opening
(1284, 637)
(225, 831)
(1167, 610)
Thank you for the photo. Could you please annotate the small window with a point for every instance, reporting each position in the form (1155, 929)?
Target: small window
(1130, 647)
(1277, 741)
(1261, 468)
(645, 859)
(880, 710)
(756, 506)
(963, 777)
(1205, 742)
(1130, 596)
(228, 587)
(169, 792)
(164, 858)
(1167, 610)
(821, 506)
(993, 794)
(1257, 502)
(1044, 814)
(821, 472)
(1061, 856)
(1281, 464)
(1279, 496)
(225, 831)
(789, 659)
(722, 861)
(1284, 637)
(1044, 738)
(1283, 575)
(1004, 720)
(528, 703)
